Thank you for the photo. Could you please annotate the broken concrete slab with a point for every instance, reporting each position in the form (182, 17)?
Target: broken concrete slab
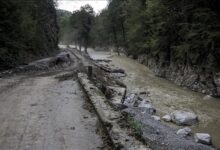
(109, 117)
(116, 95)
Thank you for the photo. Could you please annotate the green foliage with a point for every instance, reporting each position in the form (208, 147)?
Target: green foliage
(28, 30)
(173, 31)
(81, 22)
(101, 30)
(66, 33)
(135, 126)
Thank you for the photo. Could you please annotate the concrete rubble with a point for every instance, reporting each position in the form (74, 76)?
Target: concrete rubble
(109, 117)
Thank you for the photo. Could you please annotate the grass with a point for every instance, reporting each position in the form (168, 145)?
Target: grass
(135, 126)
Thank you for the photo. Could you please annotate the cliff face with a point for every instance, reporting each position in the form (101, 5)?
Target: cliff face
(28, 31)
(182, 43)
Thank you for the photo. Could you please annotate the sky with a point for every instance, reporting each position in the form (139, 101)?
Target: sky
(72, 5)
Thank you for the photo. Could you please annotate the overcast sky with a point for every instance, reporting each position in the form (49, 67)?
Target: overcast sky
(72, 5)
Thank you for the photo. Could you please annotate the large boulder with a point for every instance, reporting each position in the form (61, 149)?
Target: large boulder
(184, 118)
(134, 100)
(203, 138)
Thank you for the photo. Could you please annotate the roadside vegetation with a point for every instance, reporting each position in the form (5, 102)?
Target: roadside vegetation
(183, 32)
(28, 31)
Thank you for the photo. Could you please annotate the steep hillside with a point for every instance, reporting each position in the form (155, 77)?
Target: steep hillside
(28, 30)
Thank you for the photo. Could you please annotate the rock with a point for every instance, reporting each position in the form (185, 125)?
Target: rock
(136, 103)
(203, 138)
(203, 91)
(162, 137)
(130, 99)
(116, 95)
(148, 106)
(143, 93)
(117, 75)
(184, 118)
(207, 97)
(140, 98)
(157, 118)
(167, 118)
(184, 131)
(217, 81)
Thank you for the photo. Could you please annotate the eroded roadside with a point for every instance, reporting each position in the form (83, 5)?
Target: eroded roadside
(168, 97)
(48, 110)
(139, 82)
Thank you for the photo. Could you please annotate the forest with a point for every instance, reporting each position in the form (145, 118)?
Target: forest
(174, 38)
(186, 32)
(28, 31)
(178, 40)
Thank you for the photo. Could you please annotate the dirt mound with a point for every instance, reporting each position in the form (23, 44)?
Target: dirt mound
(62, 59)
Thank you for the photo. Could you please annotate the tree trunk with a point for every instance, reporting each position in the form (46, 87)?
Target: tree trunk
(80, 46)
(123, 33)
(116, 40)
(86, 49)
(75, 44)
(86, 44)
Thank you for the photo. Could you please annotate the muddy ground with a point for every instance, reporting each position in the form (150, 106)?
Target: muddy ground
(167, 97)
(48, 111)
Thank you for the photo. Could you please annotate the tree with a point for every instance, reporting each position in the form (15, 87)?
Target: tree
(169, 31)
(28, 30)
(81, 22)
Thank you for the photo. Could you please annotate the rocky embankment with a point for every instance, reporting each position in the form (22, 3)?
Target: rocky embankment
(135, 113)
(196, 78)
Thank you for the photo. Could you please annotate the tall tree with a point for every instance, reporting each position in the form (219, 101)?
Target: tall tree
(28, 30)
(82, 21)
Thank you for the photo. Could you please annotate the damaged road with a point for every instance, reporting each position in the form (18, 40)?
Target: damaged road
(137, 106)
(47, 111)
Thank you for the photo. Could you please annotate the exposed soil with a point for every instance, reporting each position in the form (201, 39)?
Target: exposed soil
(48, 111)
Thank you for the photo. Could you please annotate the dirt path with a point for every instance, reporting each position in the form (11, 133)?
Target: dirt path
(42, 113)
